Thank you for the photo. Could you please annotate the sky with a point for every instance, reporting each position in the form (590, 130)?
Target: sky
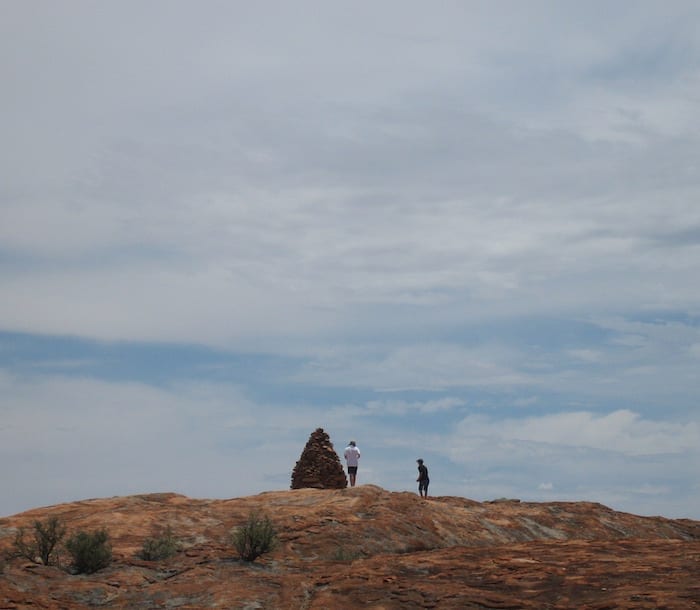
(462, 231)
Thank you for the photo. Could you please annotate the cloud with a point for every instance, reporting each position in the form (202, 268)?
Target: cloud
(620, 431)
(184, 172)
(91, 438)
(416, 367)
(618, 458)
(586, 355)
(400, 407)
(525, 401)
(463, 207)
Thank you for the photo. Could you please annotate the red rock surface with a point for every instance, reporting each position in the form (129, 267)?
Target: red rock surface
(370, 548)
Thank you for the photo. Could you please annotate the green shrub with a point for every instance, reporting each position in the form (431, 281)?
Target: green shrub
(90, 551)
(47, 535)
(256, 537)
(160, 546)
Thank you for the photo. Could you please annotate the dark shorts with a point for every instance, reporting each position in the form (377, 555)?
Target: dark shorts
(352, 469)
(423, 485)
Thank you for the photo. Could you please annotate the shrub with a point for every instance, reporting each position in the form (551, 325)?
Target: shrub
(161, 546)
(47, 535)
(343, 554)
(256, 537)
(91, 551)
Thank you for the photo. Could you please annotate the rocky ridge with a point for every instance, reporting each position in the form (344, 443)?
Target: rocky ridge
(371, 548)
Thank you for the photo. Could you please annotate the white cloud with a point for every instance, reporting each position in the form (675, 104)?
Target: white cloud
(389, 201)
(586, 355)
(400, 407)
(418, 367)
(525, 401)
(619, 431)
(187, 172)
(69, 439)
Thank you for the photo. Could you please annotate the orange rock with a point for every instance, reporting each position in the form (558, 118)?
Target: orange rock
(370, 548)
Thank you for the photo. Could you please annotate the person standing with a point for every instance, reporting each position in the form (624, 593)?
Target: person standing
(352, 457)
(423, 479)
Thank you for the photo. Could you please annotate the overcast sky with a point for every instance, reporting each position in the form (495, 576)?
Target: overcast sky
(462, 231)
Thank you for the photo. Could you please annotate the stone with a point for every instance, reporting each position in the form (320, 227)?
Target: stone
(319, 466)
(365, 547)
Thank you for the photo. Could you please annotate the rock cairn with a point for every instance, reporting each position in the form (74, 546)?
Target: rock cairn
(319, 465)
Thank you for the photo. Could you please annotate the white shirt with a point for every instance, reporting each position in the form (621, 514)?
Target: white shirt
(352, 454)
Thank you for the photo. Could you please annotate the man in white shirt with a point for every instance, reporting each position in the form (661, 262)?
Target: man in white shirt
(352, 456)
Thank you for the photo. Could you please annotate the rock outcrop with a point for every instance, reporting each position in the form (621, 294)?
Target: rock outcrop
(366, 547)
(319, 466)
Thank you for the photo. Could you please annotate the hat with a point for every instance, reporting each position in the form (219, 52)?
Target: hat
(419, 460)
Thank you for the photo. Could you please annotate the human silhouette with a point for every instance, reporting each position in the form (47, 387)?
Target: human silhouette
(423, 480)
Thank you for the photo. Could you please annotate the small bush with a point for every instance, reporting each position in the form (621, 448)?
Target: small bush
(343, 554)
(256, 537)
(159, 547)
(41, 549)
(91, 551)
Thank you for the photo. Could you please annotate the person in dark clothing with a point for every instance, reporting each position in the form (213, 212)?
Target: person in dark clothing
(423, 480)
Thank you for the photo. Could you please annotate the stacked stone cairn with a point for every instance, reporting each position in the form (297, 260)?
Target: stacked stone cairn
(319, 466)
